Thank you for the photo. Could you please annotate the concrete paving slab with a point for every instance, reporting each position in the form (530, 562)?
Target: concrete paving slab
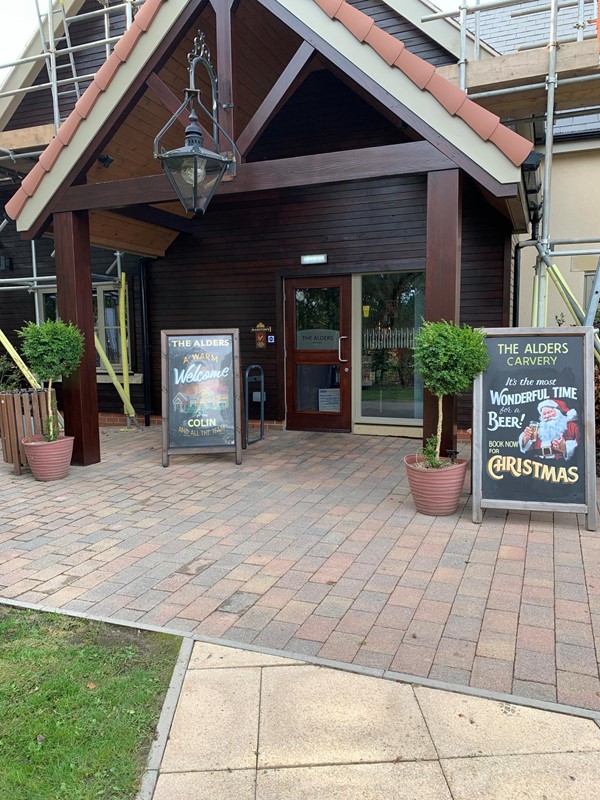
(216, 722)
(463, 726)
(424, 781)
(227, 785)
(213, 656)
(555, 776)
(313, 715)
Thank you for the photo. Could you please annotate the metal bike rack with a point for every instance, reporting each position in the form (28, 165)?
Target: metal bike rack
(258, 378)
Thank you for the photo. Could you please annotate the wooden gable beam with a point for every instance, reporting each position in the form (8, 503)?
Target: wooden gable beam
(223, 11)
(156, 216)
(371, 162)
(171, 102)
(400, 111)
(285, 86)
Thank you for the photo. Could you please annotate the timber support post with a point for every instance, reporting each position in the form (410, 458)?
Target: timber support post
(74, 304)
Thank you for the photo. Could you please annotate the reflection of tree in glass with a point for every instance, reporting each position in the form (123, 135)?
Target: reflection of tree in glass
(317, 309)
(392, 300)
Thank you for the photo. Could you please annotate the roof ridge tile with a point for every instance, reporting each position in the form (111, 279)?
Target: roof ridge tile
(69, 127)
(425, 76)
(146, 13)
(330, 7)
(388, 47)
(358, 24)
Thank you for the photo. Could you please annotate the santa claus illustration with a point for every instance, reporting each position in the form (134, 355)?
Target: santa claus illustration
(556, 435)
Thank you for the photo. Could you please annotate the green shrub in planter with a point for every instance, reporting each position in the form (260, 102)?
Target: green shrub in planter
(449, 357)
(52, 350)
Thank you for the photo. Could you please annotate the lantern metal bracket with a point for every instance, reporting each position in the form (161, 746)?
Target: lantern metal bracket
(193, 98)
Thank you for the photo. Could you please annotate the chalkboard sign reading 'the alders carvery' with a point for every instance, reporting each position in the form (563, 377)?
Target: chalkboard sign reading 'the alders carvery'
(533, 422)
(200, 392)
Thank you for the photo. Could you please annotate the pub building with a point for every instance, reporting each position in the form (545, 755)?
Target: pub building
(363, 193)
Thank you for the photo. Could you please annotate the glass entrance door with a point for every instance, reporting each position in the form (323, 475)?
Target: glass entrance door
(318, 347)
(392, 309)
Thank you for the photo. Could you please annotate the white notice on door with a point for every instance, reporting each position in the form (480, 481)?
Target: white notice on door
(329, 399)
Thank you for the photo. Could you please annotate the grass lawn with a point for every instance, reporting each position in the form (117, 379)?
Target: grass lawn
(79, 702)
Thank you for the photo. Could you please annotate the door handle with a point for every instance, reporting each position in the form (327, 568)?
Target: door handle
(342, 360)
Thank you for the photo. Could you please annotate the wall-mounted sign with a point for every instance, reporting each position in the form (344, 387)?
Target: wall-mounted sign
(314, 258)
(329, 400)
(261, 328)
(200, 392)
(533, 422)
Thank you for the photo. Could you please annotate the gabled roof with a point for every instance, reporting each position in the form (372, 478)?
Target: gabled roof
(410, 82)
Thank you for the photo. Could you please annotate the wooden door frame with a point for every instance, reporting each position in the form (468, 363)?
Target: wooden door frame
(344, 281)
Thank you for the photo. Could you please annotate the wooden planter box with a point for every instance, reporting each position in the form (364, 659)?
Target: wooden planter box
(22, 413)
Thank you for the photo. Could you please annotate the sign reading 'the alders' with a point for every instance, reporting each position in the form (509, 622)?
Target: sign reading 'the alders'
(533, 422)
(200, 392)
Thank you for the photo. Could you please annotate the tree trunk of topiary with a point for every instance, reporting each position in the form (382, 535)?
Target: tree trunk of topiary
(439, 427)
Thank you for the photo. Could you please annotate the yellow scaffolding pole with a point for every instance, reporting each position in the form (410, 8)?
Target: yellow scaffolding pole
(571, 303)
(123, 334)
(29, 376)
(534, 301)
(129, 410)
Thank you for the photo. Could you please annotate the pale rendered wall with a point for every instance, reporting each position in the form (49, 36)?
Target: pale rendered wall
(574, 214)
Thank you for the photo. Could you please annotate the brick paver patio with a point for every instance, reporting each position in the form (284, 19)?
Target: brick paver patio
(312, 546)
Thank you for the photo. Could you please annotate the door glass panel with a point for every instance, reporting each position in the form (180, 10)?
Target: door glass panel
(393, 305)
(317, 318)
(318, 387)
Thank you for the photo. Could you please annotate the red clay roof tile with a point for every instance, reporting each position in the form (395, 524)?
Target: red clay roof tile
(33, 179)
(388, 47)
(16, 204)
(147, 12)
(420, 72)
(330, 7)
(69, 127)
(50, 154)
(107, 72)
(478, 118)
(513, 146)
(88, 100)
(358, 24)
(127, 42)
(449, 95)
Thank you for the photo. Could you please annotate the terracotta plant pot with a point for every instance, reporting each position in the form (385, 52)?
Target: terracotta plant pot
(48, 461)
(436, 492)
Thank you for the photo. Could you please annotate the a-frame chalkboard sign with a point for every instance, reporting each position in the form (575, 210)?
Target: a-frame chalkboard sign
(534, 423)
(201, 407)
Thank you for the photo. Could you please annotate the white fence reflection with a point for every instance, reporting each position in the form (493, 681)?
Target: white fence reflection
(388, 338)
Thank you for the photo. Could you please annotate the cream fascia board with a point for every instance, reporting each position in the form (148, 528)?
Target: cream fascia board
(23, 75)
(101, 112)
(485, 154)
(446, 32)
(575, 146)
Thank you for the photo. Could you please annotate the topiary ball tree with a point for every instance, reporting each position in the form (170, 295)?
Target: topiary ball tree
(449, 357)
(53, 350)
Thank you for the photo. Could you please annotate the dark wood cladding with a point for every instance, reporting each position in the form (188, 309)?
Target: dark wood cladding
(393, 23)
(486, 237)
(230, 277)
(323, 116)
(486, 283)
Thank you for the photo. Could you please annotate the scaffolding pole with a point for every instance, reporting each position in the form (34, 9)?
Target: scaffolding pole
(544, 265)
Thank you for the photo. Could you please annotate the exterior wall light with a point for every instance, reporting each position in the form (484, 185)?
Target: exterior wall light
(194, 171)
